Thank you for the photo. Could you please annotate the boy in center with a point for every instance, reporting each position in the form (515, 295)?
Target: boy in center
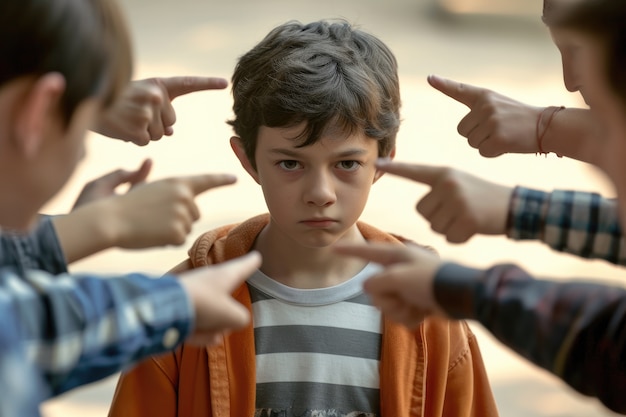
(315, 106)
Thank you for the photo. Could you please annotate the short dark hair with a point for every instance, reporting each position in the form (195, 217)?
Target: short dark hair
(326, 74)
(87, 41)
(606, 21)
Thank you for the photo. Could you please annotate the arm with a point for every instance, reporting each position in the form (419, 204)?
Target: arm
(153, 214)
(62, 332)
(572, 329)
(573, 133)
(460, 205)
(496, 124)
(99, 324)
(576, 327)
(78, 329)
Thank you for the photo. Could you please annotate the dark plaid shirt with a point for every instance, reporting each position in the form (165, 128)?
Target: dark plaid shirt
(583, 224)
(575, 329)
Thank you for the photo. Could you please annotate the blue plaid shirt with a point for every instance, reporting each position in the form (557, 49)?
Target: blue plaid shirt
(576, 330)
(63, 331)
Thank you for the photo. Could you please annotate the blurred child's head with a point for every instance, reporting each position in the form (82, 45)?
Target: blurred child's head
(63, 62)
(598, 23)
(85, 41)
(325, 75)
(592, 34)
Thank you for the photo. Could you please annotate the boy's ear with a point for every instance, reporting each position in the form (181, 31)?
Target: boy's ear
(38, 107)
(237, 146)
(380, 173)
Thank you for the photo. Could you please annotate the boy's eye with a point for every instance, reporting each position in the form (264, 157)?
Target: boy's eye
(289, 165)
(348, 165)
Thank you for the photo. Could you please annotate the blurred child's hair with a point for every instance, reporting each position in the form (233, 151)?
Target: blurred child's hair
(86, 41)
(327, 75)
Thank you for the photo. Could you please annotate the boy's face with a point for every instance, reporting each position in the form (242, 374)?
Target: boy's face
(315, 194)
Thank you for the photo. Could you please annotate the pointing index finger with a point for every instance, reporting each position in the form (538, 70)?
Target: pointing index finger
(178, 86)
(463, 93)
(424, 174)
(204, 182)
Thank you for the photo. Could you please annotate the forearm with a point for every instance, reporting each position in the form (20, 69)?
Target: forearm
(571, 329)
(85, 231)
(573, 133)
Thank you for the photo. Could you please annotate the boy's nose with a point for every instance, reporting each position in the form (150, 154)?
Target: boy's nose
(320, 190)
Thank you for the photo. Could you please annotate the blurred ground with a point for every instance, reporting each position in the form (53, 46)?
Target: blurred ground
(503, 48)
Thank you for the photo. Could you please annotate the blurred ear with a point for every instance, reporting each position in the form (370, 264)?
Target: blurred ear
(237, 146)
(39, 106)
(380, 173)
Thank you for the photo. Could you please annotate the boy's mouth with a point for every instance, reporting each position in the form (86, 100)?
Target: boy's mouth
(319, 222)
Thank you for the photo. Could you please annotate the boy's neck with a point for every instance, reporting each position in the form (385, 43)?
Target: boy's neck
(297, 266)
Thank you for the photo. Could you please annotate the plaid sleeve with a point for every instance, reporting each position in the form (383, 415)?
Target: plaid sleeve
(39, 249)
(79, 329)
(579, 223)
(573, 329)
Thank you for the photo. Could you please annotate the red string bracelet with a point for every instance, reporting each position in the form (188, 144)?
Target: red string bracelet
(541, 133)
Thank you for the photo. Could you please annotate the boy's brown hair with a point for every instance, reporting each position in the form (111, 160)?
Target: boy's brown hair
(326, 74)
(86, 41)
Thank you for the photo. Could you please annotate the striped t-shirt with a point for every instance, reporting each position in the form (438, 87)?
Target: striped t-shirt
(317, 350)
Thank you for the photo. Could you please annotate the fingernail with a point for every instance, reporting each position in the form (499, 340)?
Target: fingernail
(381, 162)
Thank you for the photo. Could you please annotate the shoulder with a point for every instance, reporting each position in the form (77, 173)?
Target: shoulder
(226, 242)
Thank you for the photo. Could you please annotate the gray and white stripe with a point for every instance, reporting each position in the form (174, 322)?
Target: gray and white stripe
(316, 350)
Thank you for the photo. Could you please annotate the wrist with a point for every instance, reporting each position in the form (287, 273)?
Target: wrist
(544, 121)
(84, 231)
(104, 226)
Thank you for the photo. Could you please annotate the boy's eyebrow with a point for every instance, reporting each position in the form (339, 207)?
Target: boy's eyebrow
(343, 154)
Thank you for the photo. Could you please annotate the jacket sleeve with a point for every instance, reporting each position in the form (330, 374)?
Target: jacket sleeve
(573, 329)
(148, 389)
(579, 223)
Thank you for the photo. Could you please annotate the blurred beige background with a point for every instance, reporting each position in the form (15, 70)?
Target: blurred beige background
(500, 44)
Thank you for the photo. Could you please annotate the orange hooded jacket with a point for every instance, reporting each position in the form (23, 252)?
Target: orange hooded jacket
(434, 371)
